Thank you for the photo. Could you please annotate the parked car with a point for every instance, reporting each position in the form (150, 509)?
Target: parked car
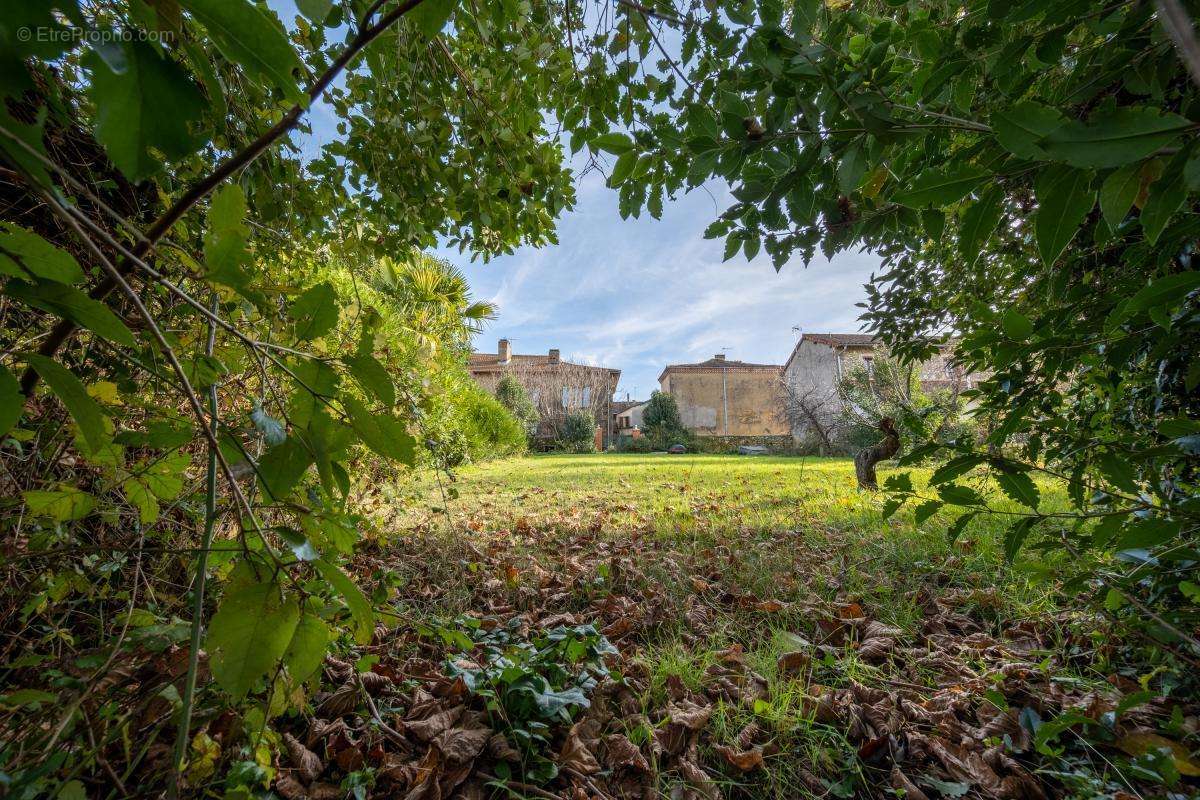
(752, 450)
(676, 449)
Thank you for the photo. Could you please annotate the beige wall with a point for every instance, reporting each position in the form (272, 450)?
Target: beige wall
(753, 399)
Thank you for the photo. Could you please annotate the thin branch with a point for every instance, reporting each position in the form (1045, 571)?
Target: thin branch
(63, 330)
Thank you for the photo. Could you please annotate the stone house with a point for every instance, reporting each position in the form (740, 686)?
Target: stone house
(733, 400)
(627, 415)
(819, 361)
(555, 386)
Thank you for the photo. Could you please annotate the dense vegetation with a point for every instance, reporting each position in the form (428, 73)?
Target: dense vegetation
(213, 343)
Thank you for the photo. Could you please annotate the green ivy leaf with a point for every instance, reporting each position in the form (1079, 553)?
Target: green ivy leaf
(1064, 198)
(152, 105)
(356, 601)
(1114, 139)
(315, 312)
(24, 254)
(92, 422)
(248, 35)
(250, 632)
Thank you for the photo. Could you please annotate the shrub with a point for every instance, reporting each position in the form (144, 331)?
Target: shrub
(512, 395)
(490, 428)
(578, 432)
(662, 412)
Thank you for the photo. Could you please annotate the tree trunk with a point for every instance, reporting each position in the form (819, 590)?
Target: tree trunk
(865, 461)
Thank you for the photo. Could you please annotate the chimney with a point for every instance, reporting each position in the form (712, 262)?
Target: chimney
(719, 356)
(554, 359)
(504, 350)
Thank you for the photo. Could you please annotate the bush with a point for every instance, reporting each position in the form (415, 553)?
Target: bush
(662, 412)
(490, 429)
(578, 433)
(512, 395)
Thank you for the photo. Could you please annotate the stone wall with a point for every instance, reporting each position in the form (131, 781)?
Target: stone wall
(752, 398)
(777, 444)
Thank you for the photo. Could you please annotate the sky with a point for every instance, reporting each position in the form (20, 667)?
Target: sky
(638, 294)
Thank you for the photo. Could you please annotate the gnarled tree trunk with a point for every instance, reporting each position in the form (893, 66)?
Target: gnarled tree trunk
(865, 461)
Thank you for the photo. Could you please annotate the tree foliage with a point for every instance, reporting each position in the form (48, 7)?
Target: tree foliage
(1028, 174)
(512, 396)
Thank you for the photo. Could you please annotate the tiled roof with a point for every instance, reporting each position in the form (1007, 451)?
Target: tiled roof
(619, 406)
(490, 362)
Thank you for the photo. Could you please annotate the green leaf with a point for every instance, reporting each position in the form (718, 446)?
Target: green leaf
(1016, 535)
(616, 143)
(623, 168)
(12, 402)
(250, 632)
(315, 312)
(958, 495)
(88, 416)
(1166, 196)
(372, 377)
(383, 433)
(71, 303)
(249, 35)
(1020, 128)
(1020, 487)
(315, 10)
(1118, 471)
(1064, 198)
(282, 467)
(307, 649)
(24, 254)
(1113, 139)
(1167, 290)
(959, 525)
(1118, 192)
(152, 105)
(941, 187)
(431, 15)
(356, 601)
(1016, 325)
(926, 510)
(64, 504)
(959, 465)
(979, 222)
(1148, 532)
(225, 239)
(891, 506)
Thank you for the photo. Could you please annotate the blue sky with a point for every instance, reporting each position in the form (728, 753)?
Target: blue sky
(637, 295)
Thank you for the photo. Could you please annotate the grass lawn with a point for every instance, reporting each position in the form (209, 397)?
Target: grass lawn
(810, 647)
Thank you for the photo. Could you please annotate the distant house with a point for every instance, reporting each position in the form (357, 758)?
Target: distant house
(820, 360)
(627, 415)
(724, 398)
(555, 386)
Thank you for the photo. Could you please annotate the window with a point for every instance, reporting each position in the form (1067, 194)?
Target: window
(869, 363)
(587, 397)
(566, 397)
(537, 396)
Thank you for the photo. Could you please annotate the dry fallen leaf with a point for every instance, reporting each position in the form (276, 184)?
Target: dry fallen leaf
(1136, 744)
(744, 760)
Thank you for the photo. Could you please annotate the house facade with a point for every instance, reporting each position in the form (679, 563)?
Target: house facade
(555, 386)
(820, 360)
(627, 415)
(729, 399)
